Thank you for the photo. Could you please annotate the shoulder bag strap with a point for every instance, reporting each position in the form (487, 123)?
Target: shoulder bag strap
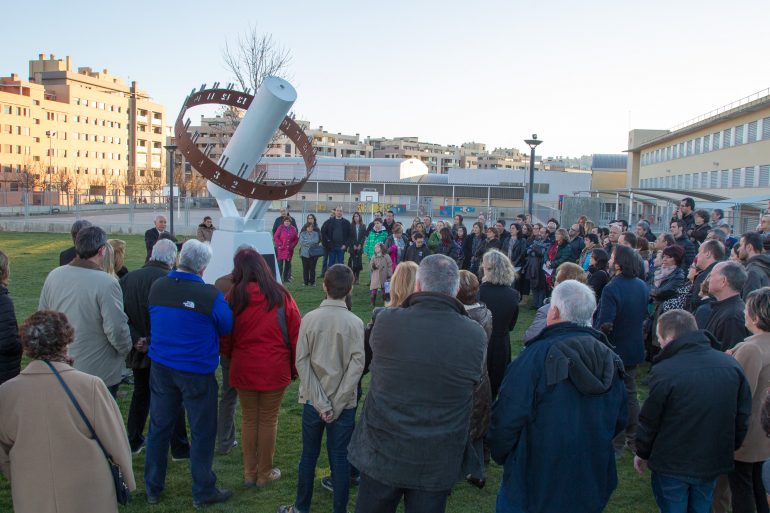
(285, 332)
(79, 409)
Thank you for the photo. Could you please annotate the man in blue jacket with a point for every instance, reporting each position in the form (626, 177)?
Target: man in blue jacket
(560, 405)
(622, 310)
(187, 317)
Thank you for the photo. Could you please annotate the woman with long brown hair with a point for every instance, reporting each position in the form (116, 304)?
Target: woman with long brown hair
(261, 349)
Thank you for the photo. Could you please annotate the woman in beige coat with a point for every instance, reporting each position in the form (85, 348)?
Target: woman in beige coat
(748, 493)
(46, 450)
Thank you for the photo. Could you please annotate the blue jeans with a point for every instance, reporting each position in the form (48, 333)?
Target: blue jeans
(674, 495)
(170, 390)
(336, 256)
(377, 497)
(338, 435)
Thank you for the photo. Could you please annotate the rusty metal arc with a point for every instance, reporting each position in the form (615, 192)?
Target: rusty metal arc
(259, 190)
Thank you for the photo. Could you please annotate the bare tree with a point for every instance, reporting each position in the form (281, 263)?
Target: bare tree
(255, 56)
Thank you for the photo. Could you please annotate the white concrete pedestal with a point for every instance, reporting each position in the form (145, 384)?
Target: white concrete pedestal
(225, 243)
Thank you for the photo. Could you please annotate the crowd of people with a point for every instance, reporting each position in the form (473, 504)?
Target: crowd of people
(445, 394)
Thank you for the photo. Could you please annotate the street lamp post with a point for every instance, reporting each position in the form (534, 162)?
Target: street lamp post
(532, 143)
(50, 134)
(171, 148)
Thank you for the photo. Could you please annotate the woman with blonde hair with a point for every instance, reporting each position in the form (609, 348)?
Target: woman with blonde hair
(402, 283)
(119, 256)
(108, 264)
(502, 299)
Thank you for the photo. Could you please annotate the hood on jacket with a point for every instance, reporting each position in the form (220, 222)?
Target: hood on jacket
(762, 261)
(581, 355)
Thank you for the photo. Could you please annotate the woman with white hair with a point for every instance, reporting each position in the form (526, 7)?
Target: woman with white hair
(502, 299)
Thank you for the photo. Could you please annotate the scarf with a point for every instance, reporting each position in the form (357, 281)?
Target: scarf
(661, 273)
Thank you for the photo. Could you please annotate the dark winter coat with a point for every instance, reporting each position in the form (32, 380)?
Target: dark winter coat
(727, 322)
(699, 233)
(758, 271)
(563, 254)
(690, 251)
(576, 245)
(427, 357)
(10, 348)
(597, 280)
(335, 233)
(503, 302)
(485, 245)
(482, 394)
(694, 300)
(624, 307)
(136, 292)
(67, 256)
(697, 412)
(415, 254)
(560, 405)
(516, 251)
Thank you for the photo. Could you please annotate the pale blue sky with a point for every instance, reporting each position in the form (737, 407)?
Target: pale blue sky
(580, 74)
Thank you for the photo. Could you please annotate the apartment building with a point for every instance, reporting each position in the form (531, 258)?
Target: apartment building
(725, 152)
(81, 135)
(439, 159)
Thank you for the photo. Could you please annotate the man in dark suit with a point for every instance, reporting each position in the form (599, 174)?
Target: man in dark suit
(153, 235)
(69, 254)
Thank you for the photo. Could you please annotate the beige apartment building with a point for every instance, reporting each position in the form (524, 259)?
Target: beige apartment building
(81, 135)
(439, 159)
(724, 153)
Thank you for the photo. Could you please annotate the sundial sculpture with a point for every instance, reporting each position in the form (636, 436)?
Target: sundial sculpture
(234, 174)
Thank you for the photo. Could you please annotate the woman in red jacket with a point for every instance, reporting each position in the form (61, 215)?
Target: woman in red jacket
(285, 240)
(261, 349)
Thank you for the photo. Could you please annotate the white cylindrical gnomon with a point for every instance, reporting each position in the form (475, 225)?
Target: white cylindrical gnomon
(270, 105)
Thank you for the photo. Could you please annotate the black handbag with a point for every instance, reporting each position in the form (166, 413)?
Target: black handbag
(121, 488)
(316, 251)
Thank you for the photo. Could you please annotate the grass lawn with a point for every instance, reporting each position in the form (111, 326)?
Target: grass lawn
(32, 255)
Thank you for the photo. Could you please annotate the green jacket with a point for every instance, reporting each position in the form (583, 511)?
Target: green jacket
(373, 239)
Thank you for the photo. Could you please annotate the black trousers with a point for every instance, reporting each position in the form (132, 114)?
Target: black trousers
(284, 267)
(498, 358)
(748, 492)
(140, 409)
(308, 270)
(377, 497)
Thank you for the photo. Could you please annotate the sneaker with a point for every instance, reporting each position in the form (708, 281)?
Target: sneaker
(327, 483)
(225, 452)
(275, 475)
(221, 495)
(181, 457)
(286, 509)
(153, 499)
(138, 450)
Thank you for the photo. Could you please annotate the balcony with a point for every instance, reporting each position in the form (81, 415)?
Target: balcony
(141, 119)
(157, 121)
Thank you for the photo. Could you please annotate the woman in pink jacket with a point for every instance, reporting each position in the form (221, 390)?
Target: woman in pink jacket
(285, 239)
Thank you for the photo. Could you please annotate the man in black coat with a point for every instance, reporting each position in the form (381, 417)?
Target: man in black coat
(427, 358)
(335, 234)
(710, 253)
(69, 254)
(136, 291)
(726, 321)
(686, 214)
(278, 220)
(695, 417)
(678, 231)
(757, 264)
(153, 235)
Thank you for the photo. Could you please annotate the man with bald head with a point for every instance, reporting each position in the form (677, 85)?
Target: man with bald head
(156, 233)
